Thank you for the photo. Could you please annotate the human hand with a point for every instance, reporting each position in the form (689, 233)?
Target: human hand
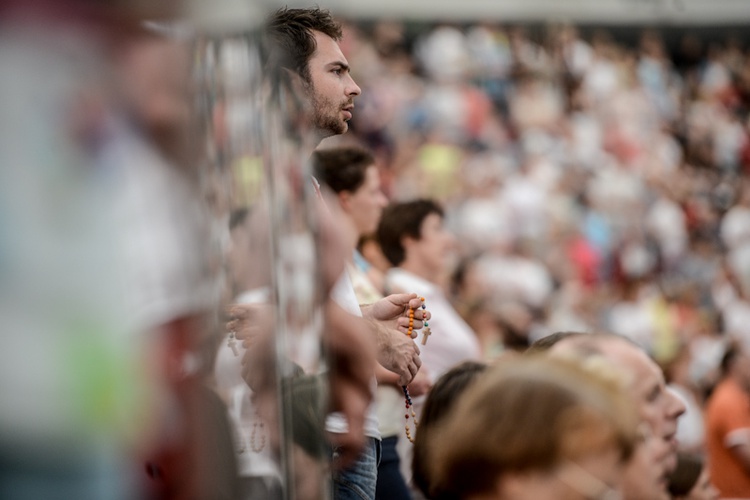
(397, 352)
(249, 321)
(394, 311)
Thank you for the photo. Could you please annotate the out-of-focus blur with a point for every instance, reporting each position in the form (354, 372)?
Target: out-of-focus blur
(105, 271)
(595, 177)
(595, 173)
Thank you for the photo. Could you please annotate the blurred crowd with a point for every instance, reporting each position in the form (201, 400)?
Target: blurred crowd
(591, 185)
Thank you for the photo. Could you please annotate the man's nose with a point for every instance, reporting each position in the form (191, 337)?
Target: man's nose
(676, 406)
(352, 88)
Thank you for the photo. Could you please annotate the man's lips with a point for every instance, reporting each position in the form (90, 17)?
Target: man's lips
(347, 110)
(671, 438)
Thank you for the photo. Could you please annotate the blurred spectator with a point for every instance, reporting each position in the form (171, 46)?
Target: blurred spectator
(573, 445)
(416, 243)
(658, 406)
(728, 425)
(352, 175)
(690, 480)
(443, 397)
(117, 285)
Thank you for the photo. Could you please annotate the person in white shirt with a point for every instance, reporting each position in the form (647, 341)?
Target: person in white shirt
(351, 173)
(302, 52)
(414, 240)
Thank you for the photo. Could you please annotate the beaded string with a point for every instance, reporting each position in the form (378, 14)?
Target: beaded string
(257, 422)
(407, 397)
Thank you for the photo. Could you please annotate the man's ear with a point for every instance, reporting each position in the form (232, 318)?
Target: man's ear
(406, 242)
(345, 200)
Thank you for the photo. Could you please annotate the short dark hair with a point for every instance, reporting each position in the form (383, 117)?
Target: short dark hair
(342, 169)
(683, 479)
(440, 401)
(289, 40)
(403, 219)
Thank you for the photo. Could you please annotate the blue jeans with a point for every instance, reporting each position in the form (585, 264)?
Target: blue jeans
(358, 481)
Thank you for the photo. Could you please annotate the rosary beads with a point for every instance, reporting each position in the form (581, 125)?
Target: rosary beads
(407, 398)
(258, 426)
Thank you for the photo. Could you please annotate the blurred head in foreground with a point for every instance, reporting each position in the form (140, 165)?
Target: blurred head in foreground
(535, 428)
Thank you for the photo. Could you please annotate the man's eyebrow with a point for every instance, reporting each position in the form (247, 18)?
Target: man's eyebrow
(340, 64)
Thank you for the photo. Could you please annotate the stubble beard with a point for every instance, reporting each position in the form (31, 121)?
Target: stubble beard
(326, 118)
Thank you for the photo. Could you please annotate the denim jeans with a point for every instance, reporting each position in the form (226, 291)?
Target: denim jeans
(358, 481)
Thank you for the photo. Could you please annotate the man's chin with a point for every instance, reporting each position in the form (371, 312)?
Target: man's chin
(324, 133)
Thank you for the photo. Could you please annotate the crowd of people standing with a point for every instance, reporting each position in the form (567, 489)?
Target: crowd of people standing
(524, 260)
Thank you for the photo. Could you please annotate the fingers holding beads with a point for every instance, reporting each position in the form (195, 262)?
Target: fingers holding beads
(415, 319)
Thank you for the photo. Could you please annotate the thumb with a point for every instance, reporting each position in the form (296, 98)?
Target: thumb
(402, 299)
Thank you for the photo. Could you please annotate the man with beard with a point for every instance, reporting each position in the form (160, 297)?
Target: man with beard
(303, 54)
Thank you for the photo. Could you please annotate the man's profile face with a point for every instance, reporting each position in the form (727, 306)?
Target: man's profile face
(658, 405)
(366, 204)
(331, 88)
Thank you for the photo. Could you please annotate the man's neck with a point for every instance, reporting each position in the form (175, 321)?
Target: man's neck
(307, 148)
(312, 141)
